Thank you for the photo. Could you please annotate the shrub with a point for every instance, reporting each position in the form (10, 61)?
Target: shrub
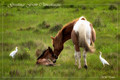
(44, 25)
(51, 6)
(18, 9)
(23, 54)
(32, 71)
(40, 48)
(76, 10)
(8, 14)
(29, 44)
(68, 6)
(56, 28)
(118, 36)
(8, 46)
(29, 28)
(38, 52)
(83, 7)
(26, 29)
(14, 73)
(36, 30)
(98, 22)
(91, 8)
(112, 7)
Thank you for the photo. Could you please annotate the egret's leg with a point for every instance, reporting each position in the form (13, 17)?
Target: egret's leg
(85, 61)
(103, 65)
(79, 59)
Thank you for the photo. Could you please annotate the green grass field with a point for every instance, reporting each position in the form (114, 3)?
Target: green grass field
(22, 26)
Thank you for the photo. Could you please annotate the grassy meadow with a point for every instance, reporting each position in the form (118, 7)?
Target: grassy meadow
(25, 27)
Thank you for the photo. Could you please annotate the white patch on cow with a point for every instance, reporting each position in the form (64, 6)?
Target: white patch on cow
(86, 24)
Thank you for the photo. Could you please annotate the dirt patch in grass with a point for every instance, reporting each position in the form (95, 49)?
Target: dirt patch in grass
(118, 36)
(29, 44)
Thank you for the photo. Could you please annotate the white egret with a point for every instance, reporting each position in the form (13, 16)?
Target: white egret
(12, 54)
(103, 60)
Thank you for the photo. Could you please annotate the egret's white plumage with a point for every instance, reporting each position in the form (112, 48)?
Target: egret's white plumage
(12, 54)
(103, 60)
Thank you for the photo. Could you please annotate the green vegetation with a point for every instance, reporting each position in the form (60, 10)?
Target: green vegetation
(30, 29)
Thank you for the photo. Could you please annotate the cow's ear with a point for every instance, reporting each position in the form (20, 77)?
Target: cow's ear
(52, 37)
(50, 49)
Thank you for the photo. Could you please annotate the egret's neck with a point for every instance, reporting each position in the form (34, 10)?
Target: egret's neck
(16, 49)
(100, 54)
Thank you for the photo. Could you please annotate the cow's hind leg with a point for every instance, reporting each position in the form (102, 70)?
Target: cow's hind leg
(79, 59)
(75, 55)
(85, 61)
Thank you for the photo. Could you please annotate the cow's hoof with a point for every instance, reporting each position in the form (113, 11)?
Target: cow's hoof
(85, 66)
(79, 67)
(75, 64)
